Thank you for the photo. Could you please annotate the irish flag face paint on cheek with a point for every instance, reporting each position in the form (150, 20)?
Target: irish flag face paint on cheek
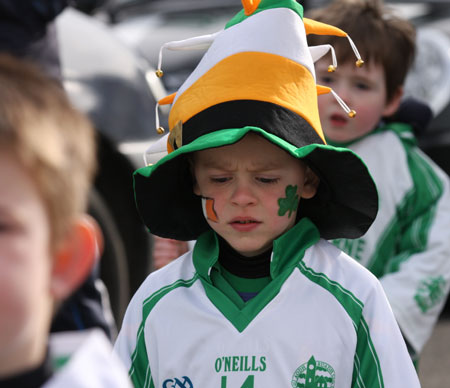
(208, 209)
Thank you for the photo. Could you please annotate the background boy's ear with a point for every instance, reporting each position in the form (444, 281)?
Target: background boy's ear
(310, 185)
(76, 256)
(393, 105)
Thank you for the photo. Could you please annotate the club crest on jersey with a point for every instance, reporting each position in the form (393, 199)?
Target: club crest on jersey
(430, 293)
(313, 374)
(177, 383)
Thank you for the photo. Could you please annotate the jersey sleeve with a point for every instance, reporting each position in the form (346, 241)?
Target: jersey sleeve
(417, 277)
(381, 358)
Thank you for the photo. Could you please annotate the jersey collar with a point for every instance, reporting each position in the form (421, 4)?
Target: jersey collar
(288, 249)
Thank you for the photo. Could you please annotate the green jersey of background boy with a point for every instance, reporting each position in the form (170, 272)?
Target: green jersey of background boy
(263, 299)
(408, 245)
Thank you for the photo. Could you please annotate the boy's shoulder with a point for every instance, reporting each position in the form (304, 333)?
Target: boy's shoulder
(88, 351)
(180, 271)
(386, 136)
(332, 268)
(395, 144)
(328, 258)
(385, 152)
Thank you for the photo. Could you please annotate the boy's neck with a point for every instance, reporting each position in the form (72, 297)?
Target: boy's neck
(380, 127)
(31, 378)
(287, 249)
(246, 267)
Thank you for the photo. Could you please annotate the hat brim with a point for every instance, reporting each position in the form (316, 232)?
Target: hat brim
(345, 205)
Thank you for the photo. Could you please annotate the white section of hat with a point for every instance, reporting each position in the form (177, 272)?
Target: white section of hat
(277, 31)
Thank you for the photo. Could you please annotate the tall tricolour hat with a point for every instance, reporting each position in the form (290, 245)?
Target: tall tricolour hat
(257, 75)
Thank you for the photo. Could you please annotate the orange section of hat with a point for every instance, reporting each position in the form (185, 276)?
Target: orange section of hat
(252, 76)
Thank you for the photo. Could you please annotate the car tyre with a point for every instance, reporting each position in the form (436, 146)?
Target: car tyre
(113, 261)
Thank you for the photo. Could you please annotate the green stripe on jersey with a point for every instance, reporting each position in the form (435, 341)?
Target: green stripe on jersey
(140, 372)
(367, 369)
(265, 5)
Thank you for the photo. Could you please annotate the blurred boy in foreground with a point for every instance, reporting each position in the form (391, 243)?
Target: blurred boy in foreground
(48, 245)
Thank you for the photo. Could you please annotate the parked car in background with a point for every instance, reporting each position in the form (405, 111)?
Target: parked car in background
(147, 25)
(118, 90)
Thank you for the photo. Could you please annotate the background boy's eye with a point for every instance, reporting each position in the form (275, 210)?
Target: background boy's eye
(325, 79)
(362, 86)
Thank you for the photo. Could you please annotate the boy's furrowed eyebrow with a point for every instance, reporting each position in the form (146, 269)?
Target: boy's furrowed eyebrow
(214, 163)
(266, 165)
(256, 166)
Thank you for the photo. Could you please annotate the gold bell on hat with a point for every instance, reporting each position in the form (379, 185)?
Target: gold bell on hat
(359, 63)
(159, 73)
(160, 130)
(331, 69)
(176, 135)
(352, 113)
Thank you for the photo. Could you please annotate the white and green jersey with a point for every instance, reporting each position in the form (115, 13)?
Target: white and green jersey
(408, 245)
(85, 359)
(322, 321)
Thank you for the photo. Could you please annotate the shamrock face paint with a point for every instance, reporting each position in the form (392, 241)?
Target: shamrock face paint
(208, 209)
(290, 202)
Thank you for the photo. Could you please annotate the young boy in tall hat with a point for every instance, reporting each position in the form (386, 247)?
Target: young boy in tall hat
(263, 299)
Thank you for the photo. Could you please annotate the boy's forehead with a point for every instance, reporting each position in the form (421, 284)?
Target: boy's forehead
(324, 62)
(257, 163)
(20, 198)
(259, 155)
(371, 69)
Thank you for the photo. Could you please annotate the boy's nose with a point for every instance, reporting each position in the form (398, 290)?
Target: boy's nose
(243, 195)
(343, 92)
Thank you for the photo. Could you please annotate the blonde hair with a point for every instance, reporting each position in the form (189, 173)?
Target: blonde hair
(381, 37)
(49, 137)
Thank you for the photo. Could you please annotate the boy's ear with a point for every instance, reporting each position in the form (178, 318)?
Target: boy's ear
(76, 256)
(310, 185)
(392, 106)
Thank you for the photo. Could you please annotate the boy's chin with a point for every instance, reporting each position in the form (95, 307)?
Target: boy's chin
(339, 136)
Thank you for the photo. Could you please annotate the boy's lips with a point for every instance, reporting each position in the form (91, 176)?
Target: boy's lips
(244, 224)
(338, 120)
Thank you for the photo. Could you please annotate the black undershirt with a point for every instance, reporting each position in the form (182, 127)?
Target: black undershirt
(245, 267)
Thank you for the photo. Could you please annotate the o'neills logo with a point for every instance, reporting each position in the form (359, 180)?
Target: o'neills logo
(313, 374)
(240, 364)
